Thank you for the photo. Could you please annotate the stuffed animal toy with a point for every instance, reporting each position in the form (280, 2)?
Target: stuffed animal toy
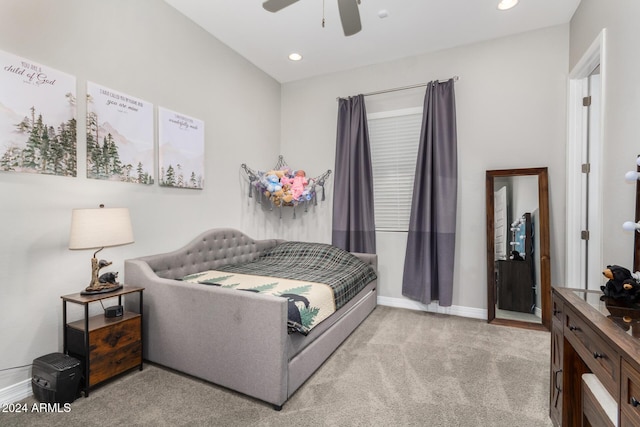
(283, 187)
(279, 172)
(273, 184)
(298, 184)
(286, 182)
(621, 284)
(263, 182)
(276, 197)
(287, 198)
(280, 198)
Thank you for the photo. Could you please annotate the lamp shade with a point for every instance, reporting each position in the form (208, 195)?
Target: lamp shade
(99, 228)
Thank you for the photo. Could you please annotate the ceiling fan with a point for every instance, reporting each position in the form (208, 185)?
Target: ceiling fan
(349, 14)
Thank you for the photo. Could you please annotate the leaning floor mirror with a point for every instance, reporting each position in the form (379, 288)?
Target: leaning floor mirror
(518, 262)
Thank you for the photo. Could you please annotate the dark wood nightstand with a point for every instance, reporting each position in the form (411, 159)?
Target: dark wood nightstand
(105, 346)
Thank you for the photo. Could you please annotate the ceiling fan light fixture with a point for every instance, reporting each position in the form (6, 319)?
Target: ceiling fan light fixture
(295, 56)
(507, 4)
(348, 10)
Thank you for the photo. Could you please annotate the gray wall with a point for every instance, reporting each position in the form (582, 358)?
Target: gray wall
(621, 112)
(511, 113)
(148, 50)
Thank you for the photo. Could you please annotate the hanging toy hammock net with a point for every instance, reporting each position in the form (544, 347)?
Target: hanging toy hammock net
(284, 186)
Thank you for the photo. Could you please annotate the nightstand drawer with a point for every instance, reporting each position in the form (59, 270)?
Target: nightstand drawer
(104, 334)
(630, 389)
(105, 340)
(601, 359)
(114, 363)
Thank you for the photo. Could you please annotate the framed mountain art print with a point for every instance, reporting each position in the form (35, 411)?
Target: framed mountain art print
(119, 136)
(181, 150)
(37, 118)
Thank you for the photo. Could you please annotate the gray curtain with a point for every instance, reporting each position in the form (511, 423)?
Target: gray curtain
(428, 266)
(353, 221)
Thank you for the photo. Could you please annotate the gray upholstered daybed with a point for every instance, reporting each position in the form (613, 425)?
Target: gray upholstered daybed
(229, 337)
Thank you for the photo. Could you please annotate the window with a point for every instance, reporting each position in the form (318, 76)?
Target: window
(394, 138)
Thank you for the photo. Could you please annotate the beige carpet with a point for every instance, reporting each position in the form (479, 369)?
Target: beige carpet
(399, 368)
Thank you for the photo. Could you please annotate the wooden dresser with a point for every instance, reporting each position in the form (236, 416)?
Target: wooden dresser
(592, 334)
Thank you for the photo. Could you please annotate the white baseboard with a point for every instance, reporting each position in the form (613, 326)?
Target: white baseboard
(455, 310)
(16, 392)
(538, 312)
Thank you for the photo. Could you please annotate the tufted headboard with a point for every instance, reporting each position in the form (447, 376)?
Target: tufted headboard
(208, 251)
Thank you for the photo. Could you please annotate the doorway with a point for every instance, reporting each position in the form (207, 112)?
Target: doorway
(584, 175)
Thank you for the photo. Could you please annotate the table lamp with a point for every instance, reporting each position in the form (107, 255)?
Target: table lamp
(98, 229)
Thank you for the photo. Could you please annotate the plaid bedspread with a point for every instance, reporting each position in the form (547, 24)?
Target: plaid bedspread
(316, 278)
(312, 262)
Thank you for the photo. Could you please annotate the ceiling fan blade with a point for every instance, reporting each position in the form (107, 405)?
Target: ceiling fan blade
(350, 16)
(276, 5)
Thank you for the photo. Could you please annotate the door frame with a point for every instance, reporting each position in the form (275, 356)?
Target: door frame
(577, 120)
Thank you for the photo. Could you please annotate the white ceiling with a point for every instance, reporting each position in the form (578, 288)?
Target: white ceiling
(412, 27)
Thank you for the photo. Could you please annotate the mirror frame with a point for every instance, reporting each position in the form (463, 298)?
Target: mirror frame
(545, 259)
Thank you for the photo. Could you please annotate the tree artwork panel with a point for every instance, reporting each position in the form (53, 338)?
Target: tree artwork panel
(37, 118)
(119, 136)
(181, 147)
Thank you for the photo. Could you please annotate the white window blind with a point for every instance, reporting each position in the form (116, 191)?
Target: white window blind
(394, 138)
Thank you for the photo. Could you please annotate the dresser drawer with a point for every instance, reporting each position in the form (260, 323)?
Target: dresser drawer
(108, 339)
(557, 307)
(601, 359)
(630, 393)
(114, 363)
(598, 406)
(626, 421)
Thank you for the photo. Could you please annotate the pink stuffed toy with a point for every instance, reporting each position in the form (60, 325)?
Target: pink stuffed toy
(298, 183)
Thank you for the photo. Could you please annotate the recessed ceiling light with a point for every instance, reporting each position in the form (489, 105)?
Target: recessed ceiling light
(507, 4)
(295, 57)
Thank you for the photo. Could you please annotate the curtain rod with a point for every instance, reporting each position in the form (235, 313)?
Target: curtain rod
(395, 89)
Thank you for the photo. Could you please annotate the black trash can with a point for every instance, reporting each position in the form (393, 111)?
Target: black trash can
(55, 378)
